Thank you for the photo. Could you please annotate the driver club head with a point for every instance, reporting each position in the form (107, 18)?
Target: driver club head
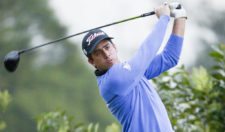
(11, 61)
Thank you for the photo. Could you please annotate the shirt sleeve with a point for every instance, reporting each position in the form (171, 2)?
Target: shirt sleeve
(167, 59)
(124, 76)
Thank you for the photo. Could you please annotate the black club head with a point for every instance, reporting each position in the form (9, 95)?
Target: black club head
(11, 61)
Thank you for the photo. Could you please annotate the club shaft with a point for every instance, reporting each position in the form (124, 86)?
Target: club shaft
(63, 38)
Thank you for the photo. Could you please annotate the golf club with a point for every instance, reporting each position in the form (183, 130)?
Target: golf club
(11, 60)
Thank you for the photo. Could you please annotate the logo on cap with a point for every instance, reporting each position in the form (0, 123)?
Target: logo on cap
(93, 36)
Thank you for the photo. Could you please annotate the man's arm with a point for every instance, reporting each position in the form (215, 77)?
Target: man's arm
(179, 26)
(171, 53)
(167, 59)
(180, 17)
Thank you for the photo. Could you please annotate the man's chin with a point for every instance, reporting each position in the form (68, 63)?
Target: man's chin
(108, 67)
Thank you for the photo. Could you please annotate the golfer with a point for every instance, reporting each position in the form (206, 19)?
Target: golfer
(125, 86)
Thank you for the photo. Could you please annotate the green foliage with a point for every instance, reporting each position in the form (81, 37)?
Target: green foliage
(201, 80)
(54, 121)
(112, 128)
(58, 121)
(2, 125)
(5, 99)
(195, 100)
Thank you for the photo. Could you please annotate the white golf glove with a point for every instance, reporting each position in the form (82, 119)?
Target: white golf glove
(177, 13)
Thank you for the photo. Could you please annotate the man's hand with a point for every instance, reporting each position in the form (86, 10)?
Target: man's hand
(162, 10)
(177, 13)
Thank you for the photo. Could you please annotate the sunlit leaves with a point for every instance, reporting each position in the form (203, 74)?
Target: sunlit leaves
(53, 121)
(201, 80)
(5, 99)
(58, 121)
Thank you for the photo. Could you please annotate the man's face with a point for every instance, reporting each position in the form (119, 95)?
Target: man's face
(104, 55)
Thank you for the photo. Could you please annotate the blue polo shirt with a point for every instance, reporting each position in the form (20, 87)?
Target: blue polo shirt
(126, 89)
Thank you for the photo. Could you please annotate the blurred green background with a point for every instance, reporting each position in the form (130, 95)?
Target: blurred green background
(57, 78)
(60, 81)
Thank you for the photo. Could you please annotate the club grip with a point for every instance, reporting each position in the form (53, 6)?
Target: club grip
(148, 14)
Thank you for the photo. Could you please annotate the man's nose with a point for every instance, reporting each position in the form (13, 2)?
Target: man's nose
(106, 53)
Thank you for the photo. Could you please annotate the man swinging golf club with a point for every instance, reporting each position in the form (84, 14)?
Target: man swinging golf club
(124, 86)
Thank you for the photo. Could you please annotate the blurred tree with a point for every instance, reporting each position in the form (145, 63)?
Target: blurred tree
(49, 78)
